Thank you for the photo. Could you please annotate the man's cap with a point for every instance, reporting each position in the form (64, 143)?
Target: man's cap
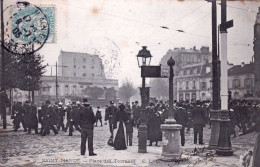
(136, 101)
(60, 103)
(73, 103)
(48, 102)
(78, 102)
(98, 107)
(112, 102)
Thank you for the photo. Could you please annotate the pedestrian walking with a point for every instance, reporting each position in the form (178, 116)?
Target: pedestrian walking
(87, 120)
(129, 124)
(181, 117)
(32, 119)
(121, 117)
(154, 133)
(98, 116)
(198, 117)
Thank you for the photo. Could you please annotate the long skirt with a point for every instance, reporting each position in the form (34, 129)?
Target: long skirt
(119, 142)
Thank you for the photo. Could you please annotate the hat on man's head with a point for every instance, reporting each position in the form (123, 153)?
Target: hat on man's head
(47, 102)
(151, 104)
(73, 103)
(98, 107)
(112, 102)
(136, 101)
(78, 102)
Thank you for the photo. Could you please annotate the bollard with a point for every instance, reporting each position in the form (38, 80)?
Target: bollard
(171, 141)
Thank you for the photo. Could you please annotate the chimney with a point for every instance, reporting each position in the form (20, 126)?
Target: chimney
(242, 64)
(182, 48)
(194, 48)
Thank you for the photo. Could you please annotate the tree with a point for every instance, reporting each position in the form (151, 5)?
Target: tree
(94, 92)
(126, 91)
(159, 88)
(31, 69)
(110, 94)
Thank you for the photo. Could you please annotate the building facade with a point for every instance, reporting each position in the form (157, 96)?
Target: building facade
(77, 73)
(73, 64)
(197, 85)
(192, 59)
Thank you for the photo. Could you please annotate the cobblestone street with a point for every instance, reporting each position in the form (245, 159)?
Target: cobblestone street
(30, 149)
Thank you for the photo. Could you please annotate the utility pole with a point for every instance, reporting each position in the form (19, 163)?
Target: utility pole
(215, 60)
(56, 83)
(214, 113)
(3, 63)
(224, 147)
(56, 77)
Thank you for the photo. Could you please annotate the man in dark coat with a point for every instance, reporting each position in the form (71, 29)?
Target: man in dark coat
(111, 111)
(181, 117)
(87, 120)
(137, 114)
(154, 133)
(32, 119)
(198, 117)
(74, 118)
(18, 114)
(49, 119)
(98, 116)
(61, 114)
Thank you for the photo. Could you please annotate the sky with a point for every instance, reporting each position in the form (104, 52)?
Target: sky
(117, 29)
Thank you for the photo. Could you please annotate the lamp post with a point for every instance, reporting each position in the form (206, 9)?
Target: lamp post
(143, 58)
(171, 130)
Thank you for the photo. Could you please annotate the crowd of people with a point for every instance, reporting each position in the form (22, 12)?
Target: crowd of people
(124, 118)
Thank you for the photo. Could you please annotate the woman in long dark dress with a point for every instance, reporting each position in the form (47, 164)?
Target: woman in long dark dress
(121, 116)
(154, 133)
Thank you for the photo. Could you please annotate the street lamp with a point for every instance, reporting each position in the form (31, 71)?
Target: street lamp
(171, 130)
(144, 59)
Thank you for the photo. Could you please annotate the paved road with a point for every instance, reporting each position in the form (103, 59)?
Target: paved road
(17, 144)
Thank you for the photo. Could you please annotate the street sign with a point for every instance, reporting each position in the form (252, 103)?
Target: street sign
(165, 73)
(151, 71)
(227, 25)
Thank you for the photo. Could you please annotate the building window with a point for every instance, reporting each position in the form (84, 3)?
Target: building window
(84, 59)
(92, 67)
(194, 85)
(184, 72)
(84, 66)
(236, 83)
(180, 86)
(66, 89)
(187, 84)
(181, 97)
(188, 72)
(193, 97)
(204, 85)
(187, 97)
(236, 95)
(248, 82)
(74, 86)
(75, 66)
(84, 75)
(75, 74)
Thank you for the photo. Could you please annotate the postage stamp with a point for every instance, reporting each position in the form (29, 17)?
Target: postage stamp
(38, 23)
(29, 27)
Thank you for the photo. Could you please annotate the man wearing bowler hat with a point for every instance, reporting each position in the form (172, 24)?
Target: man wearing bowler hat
(87, 120)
